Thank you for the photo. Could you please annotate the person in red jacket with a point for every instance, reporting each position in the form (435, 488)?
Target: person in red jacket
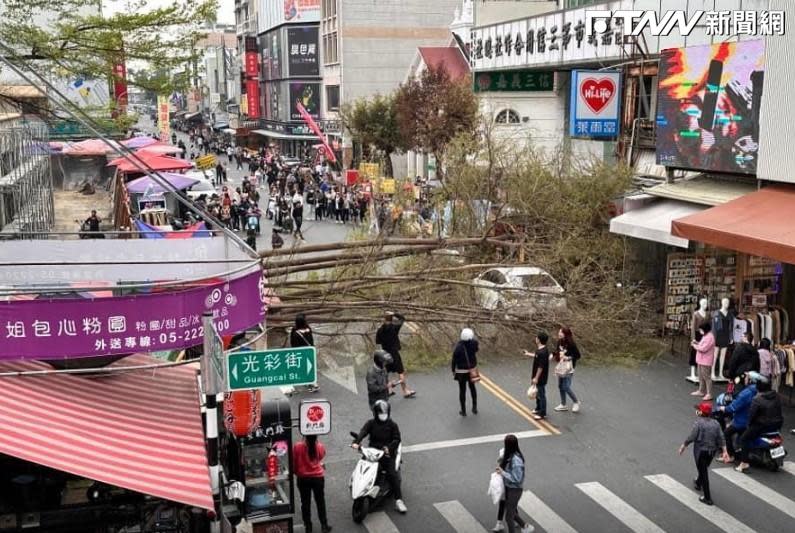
(308, 457)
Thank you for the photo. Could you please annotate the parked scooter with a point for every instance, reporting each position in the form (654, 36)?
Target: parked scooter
(368, 483)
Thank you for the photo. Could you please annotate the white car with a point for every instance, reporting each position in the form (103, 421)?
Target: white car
(524, 290)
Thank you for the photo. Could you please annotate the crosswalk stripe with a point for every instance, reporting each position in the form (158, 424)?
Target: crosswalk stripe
(458, 517)
(543, 515)
(379, 523)
(620, 509)
(785, 505)
(789, 467)
(685, 496)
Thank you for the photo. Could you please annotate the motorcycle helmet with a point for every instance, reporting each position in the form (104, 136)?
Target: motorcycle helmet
(381, 410)
(755, 377)
(381, 358)
(723, 399)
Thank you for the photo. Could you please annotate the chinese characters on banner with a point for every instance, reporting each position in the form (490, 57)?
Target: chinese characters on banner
(63, 328)
(252, 98)
(514, 81)
(252, 63)
(302, 46)
(162, 117)
(594, 103)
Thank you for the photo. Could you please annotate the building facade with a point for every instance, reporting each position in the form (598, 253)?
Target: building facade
(289, 73)
(368, 49)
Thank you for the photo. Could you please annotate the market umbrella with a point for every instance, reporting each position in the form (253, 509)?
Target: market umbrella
(177, 181)
(92, 147)
(139, 142)
(153, 161)
(161, 148)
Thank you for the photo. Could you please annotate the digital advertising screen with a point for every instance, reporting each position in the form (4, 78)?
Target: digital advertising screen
(708, 106)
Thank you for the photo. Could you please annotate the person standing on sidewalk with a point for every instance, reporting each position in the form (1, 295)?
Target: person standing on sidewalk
(566, 357)
(388, 336)
(465, 360)
(310, 473)
(705, 355)
(540, 374)
(301, 335)
(377, 378)
(512, 470)
(707, 439)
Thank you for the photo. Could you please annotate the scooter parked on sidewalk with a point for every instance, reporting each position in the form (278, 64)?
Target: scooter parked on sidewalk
(368, 482)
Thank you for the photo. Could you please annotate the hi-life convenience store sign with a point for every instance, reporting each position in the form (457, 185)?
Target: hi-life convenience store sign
(581, 35)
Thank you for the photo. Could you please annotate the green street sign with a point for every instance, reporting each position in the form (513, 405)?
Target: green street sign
(271, 368)
(513, 81)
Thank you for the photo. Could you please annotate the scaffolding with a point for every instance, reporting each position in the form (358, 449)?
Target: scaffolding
(26, 193)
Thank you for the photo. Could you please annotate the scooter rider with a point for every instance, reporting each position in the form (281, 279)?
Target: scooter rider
(739, 409)
(765, 415)
(384, 435)
(377, 378)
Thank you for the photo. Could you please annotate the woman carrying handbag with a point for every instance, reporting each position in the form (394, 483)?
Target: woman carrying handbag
(465, 369)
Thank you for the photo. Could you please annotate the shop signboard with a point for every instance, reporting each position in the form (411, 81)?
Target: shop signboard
(252, 63)
(514, 81)
(386, 186)
(369, 171)
(271, 368)
(77, 327)
(594, 104)
(120, 87)
(163, 123)
(252, 98)
(314, 417)
(708, 105)
(302, 51)
(274, 13)
(271, 46)
(308, 95)
(206, 162)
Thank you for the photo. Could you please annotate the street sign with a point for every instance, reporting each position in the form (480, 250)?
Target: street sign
(315, 417)
(271, 368)
(213, 377)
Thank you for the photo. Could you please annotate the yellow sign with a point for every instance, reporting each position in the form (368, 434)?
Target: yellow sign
(387, 186)
(369, 171)
(206, 162)
(162, 117)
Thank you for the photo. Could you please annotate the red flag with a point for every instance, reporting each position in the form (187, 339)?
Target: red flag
(316, 129)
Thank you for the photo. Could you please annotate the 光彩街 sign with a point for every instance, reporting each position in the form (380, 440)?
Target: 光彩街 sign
(271, 368)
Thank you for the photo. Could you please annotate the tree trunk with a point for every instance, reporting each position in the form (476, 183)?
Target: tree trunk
(389, 171)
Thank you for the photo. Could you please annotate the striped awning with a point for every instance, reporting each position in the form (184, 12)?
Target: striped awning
(139, 430)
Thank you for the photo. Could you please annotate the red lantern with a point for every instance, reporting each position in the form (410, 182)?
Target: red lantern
(242, 411)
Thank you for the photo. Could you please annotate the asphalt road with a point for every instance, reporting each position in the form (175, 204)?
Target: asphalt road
(630, 427)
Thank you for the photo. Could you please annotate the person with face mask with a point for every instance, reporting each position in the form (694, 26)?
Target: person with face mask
(377, 378)
(384, 435)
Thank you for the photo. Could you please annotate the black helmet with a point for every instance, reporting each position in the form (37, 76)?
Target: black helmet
(381, 358)
(381, 407)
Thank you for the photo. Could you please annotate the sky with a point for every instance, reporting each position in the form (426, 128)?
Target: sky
(226, 8)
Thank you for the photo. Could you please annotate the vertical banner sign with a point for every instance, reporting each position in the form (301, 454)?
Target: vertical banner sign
(162, 117)
(252, 63)
(252, 98)
(120, 87)
(594, 105)
(316, 130)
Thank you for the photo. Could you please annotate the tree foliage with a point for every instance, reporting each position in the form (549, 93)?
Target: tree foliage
(373, 123)
(433, 110)
(73, 38)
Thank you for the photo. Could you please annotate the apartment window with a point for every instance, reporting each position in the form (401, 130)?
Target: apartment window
(332, 97)
(329, 9)
(507, 116)
(330, 49)
(579, 3)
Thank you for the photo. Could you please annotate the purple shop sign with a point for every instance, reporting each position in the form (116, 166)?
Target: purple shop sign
(63, 328)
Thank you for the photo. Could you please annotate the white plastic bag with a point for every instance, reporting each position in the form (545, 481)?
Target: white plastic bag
(496, 488)
(532, 392)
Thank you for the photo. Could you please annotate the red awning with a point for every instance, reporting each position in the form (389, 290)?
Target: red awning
(756, 224)
(152, 160)
(139, 430)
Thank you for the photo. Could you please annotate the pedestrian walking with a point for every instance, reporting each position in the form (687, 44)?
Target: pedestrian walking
(512, 470)
(301, 335)
(540, 373)
(378, 378)
(276, 239)
(310, 473)
(707, 438)
(388, 337)
(229, 153)
(464, 367)
(298, 215)
(566, 357)
(705, 355)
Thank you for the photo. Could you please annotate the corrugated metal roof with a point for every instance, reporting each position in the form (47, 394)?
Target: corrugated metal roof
(703, 190)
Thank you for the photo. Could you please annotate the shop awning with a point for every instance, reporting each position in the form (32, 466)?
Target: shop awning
(139, 430)
(273, 134)
(653, 222)
(756, 224)
(703, 190)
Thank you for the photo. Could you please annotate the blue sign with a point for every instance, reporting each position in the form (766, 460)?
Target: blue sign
(594, 104)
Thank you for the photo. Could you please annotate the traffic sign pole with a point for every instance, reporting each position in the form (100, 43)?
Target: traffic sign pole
(211, 409)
